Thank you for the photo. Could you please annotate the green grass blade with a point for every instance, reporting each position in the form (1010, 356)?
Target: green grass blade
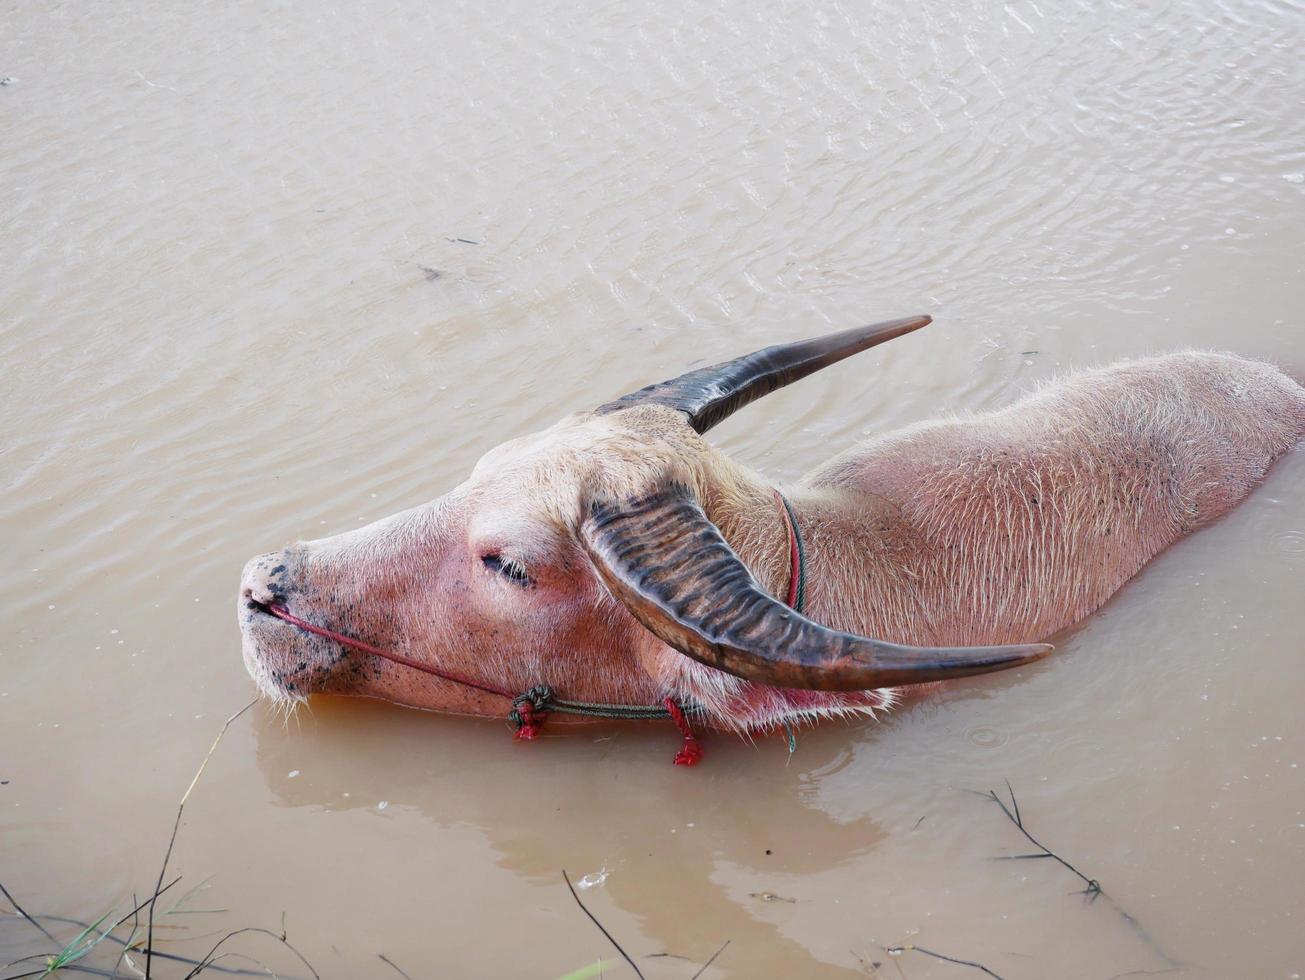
(79, 947)
(590, 971)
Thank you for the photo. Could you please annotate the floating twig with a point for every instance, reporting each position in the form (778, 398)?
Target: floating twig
(19, 909)
(395, 966)
(1093, 889)
(601, 928)
(710, 961)
(909, 947)
(176, 825)
(33, 973)
(207, 961)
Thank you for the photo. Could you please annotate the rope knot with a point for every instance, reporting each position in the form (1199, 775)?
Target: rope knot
(525, 709)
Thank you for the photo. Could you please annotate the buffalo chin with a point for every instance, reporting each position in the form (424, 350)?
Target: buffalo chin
(286, 665)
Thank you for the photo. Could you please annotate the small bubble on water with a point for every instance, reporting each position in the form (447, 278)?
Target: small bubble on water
(292, 773)
(382, 805)
(1294, 178)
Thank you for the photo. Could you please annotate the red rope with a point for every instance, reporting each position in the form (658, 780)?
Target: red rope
(281, 612)
(690, 753)
(528, 729)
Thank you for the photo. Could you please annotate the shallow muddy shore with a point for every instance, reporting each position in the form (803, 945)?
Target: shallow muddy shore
(273, 273)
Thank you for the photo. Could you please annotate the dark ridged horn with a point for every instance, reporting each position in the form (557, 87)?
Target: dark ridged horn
(711, 394)
(668, 563)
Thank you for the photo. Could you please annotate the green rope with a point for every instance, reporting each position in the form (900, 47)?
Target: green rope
(800, 602)
(542, 700)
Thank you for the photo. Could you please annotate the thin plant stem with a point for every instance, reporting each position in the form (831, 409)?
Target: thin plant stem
(176, 825)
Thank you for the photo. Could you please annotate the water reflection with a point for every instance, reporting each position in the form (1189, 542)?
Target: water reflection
(676, 841)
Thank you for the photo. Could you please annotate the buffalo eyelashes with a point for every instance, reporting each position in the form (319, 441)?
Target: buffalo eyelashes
(511, 570)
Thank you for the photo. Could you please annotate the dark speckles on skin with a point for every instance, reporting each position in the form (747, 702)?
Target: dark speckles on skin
(277, 571)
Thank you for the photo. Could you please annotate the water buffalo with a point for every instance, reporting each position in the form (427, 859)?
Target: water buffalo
(620, 559)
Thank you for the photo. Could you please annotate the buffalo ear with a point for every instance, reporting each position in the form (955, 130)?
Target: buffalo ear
(711, 394)
(662, 557)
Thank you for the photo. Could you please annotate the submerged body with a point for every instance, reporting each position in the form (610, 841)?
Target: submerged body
(1020, 522)
(996, 529)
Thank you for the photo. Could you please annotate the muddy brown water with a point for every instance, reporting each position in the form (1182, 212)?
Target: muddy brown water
(273, 271)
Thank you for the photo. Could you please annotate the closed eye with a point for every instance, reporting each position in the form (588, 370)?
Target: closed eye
(509, 569)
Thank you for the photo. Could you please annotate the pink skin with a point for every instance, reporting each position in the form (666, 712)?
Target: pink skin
(1002, 528)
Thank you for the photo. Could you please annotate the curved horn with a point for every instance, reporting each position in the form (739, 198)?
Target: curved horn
(670, 566)
(711, 394)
